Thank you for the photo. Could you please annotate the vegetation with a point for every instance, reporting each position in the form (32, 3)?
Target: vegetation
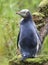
(9, 27)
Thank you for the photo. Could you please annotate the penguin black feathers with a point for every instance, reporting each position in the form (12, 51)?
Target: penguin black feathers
(29, 41)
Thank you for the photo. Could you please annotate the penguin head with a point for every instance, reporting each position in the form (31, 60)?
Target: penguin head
(25, 13)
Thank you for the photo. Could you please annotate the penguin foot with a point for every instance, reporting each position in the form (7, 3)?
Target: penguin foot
(26, 57)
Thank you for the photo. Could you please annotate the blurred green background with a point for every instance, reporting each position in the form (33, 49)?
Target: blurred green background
(9, 25)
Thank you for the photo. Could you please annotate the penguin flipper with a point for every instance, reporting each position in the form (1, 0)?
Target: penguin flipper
(18, 39)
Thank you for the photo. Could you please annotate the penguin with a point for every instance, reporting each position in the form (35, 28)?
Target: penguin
(28, 41)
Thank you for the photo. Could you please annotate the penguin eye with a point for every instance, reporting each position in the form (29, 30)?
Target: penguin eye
(27, 13)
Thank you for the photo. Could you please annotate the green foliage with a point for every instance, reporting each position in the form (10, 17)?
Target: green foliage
(43, 3)
(45, 46)
(43, 7)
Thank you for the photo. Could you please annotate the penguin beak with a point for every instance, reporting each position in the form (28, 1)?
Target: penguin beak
(18, 13)
(21, 14)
